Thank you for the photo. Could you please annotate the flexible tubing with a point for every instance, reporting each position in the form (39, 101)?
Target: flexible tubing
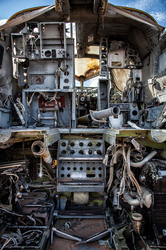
(145, 160)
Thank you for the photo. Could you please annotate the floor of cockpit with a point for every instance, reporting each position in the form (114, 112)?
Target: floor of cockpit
(83, 228)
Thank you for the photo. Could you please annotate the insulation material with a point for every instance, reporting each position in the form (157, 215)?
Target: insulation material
(162, 63)
(163, 41)
(1, 55)
(86, 67)
(120, 77)
(140, 42)
(148, 97)
(154, 61)
(150, 70)
(162, 81)
(122, 28)
(5, 74)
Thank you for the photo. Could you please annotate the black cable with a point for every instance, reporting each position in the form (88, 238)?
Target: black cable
(68, 145)
(24, 149)
(61, 118)
(116, 86)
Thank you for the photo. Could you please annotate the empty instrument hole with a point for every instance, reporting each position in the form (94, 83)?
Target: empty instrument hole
(94, 168)
(134, 112)
(63, 152)
(74, 168)
(47, 53)
(100, 175)
(63, 144)
(90, 175)
(62, 175)
(99, 168)
(37, 149)
(81, 144)
(99, 152)
(68, 175)
(81, 168)
(68, 168)
(66, 80)
(62, 168)
(72, 144)
(103, 68)
(87, 168)
(104, 44)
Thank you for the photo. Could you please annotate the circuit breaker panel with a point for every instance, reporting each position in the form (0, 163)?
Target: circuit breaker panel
(44, 66)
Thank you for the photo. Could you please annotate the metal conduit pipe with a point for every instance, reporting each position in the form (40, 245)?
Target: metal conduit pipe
(38, 149)
(130, 200)
(115, 156)
(135, 164)
(85, 118)
(98, 115)
(145, 160)
(106, 113)
(115, 197)
(146, 197)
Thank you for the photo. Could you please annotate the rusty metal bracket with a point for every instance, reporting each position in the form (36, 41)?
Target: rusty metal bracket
(105, 243)
(119, 240)
(65, 235)
(110, 136)
(50, 136)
